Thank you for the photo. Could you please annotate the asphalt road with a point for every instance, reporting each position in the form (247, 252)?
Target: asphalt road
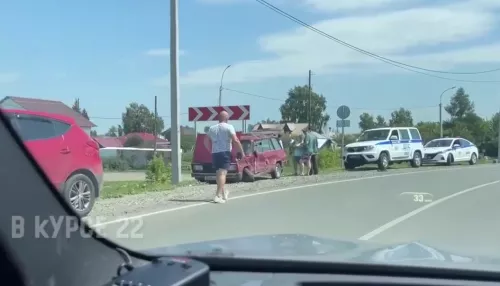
(458, 212)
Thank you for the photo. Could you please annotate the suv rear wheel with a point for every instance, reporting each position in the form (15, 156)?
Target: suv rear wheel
(417, 159)
(276, 173)
(79, 192)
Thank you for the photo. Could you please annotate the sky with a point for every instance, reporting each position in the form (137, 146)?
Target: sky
(109, 53)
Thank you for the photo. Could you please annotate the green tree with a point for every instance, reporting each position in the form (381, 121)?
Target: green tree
(112, 132)
(296, 108)
(93, 133)
(366, 122)
(401, 118)
(84, 114)
(380, 121)
(76, 106)
(138, 118)
(269, 121)
(250, 127)
(428, 130)
(460, 105)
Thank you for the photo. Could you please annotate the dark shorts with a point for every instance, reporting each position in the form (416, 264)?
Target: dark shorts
(221, 160)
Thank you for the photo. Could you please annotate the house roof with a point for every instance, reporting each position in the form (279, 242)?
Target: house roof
(50, 106)
(107, 141)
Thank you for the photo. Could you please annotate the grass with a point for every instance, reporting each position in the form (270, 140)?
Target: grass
(125, 188)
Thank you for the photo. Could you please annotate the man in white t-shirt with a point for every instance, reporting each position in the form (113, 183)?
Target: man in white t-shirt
(222, 137)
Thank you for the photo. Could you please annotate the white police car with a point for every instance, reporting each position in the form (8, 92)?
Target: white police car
(385, 146)
(450, 150)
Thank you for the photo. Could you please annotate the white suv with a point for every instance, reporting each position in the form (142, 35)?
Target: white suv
(385, 146)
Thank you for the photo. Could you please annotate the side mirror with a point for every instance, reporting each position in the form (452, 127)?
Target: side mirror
(393, 137)
(456, 145)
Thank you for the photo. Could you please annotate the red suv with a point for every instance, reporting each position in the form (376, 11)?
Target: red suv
(264, 155)
(67, 154)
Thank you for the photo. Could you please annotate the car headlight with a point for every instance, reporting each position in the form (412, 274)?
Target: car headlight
(368, 148)
(198, 167)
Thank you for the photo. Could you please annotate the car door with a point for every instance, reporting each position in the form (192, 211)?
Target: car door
(458, 152)
(46, 146)
(405, 143)
(262, 161)
(467, 148)
(395, 147)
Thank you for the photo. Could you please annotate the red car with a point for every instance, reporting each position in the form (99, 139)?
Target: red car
(67, 154)
(264, 155)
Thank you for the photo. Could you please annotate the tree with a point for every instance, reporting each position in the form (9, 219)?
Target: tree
(250, 127)
(84, 114)
(269, 121)
(401, 118)
(112, 132)
(120, 131)
(380, 121)
(76, 106)
(460, 105)
(138, 118)
(296, 108)
(366, 122)
(93, 133)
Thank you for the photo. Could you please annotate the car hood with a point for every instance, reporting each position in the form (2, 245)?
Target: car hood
(436, 149)
(306, 247)
(363, 143)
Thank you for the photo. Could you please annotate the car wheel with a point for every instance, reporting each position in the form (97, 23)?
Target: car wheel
(473, 159)
(348, 166)
(383, 161)
(449, 160)
(417, 159)
(248, 176)
(276, 173)
(79, 192)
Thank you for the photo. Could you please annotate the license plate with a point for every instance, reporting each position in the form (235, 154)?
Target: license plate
(355, 156)
(210, 178)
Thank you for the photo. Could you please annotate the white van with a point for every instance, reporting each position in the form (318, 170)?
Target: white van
(385, 146)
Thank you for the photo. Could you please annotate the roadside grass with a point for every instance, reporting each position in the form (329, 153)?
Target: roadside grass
(124, 188)
(120, 189)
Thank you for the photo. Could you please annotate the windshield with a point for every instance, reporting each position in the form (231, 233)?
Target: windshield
(372, 135)
(438, 143)
(110, 101)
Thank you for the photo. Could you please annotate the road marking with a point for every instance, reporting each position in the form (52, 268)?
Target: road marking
(411, 214)
(283, 190)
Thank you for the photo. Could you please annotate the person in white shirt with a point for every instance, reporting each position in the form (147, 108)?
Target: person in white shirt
(222, 136)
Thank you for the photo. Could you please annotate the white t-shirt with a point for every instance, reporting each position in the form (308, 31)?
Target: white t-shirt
(220, 134)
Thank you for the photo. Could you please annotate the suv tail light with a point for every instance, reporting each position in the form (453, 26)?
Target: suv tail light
(93, 144)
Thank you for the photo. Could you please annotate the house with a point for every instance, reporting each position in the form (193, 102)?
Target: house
(292, 129)
(136, 159)
(48, 106)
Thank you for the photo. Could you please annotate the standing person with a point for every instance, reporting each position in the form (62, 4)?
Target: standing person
(309, 148)
(223, 137)
(314, 156)
(298, 152)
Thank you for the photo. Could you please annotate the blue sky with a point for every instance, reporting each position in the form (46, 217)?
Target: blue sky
(110, 53)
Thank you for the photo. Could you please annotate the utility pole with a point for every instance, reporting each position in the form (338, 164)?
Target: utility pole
(441, 111)
(155, 132)
(175, 139)
(498, 157)
(310, 100)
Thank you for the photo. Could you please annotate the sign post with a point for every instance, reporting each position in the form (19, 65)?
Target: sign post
(343, 112)
(210, 113)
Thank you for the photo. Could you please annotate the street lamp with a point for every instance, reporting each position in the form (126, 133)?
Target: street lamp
(441, 111)
(220, 87)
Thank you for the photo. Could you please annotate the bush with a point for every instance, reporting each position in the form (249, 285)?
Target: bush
(157, 171)
(329, 159)
(115, 164)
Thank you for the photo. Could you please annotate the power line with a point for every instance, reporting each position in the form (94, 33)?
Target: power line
(353, 108)
(383, 59)
(120, 118)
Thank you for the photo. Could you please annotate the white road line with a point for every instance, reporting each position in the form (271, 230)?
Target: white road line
(411, 214)
(278, 191)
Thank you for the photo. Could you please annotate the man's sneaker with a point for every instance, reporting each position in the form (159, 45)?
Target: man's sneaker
(225, 194)
(219, 200)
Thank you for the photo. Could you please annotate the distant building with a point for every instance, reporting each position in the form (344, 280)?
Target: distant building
(48, 106)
